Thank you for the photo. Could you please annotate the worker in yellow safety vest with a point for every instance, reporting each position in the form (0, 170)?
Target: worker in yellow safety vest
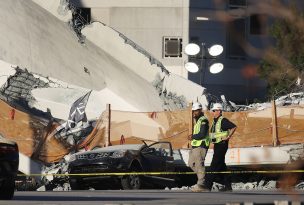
(200, 144)
(221, 131)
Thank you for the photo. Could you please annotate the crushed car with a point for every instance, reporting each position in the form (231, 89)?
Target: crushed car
(9, 162)
(158, 157)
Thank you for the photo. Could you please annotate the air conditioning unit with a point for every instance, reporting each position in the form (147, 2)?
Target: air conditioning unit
(172, 47)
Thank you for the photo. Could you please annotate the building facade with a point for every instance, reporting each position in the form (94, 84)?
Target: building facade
(164, 28)
(241, 28)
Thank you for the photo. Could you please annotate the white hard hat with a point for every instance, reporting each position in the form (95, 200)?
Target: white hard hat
(196, 106)
(217, 106)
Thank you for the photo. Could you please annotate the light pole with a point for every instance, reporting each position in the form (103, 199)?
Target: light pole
(192, 50)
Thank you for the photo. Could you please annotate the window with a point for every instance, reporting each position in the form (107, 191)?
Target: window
(82, 15)
(237, 3)
(162, 149)
(257, 24)
(236, 37)
(86, 14)
(236, 31)
(172, 47)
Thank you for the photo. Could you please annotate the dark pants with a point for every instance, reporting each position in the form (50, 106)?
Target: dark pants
(218, 165)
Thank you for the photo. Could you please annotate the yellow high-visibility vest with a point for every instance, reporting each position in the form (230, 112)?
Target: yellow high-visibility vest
(196, 130)
(218, 135)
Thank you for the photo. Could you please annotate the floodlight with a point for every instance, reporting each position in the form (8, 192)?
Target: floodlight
(215, 50)
(191, 67)
(192, 49)
(216, 68)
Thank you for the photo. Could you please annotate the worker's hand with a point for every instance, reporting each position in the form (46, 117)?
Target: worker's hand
(189, 137)
(226, 138)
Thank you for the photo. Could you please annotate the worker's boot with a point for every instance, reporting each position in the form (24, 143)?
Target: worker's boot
(199, 188)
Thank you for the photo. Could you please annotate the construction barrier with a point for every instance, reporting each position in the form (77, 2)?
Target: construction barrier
(35, 135)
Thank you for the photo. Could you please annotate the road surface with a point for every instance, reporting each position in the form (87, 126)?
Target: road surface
(159, 197)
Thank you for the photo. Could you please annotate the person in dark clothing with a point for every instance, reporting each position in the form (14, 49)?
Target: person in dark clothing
(221, 131)
(200, 143)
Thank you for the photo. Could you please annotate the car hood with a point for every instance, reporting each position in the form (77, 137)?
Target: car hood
(135, 147)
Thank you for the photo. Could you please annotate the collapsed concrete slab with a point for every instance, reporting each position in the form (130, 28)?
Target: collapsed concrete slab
(109, 63)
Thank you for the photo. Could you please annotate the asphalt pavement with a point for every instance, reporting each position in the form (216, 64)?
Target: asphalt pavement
(159, 197)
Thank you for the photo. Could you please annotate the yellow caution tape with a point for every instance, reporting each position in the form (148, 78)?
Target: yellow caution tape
(169, 173)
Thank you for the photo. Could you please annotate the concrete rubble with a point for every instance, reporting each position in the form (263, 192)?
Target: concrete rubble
(54, 182)
(293, 98)
(261, 185)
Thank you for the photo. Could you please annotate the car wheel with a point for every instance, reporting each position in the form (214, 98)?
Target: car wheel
(132, 181)
(7, 189)
(76, 184)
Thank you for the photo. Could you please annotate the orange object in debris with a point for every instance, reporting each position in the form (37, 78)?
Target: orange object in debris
(153, 115)
(12, 114)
